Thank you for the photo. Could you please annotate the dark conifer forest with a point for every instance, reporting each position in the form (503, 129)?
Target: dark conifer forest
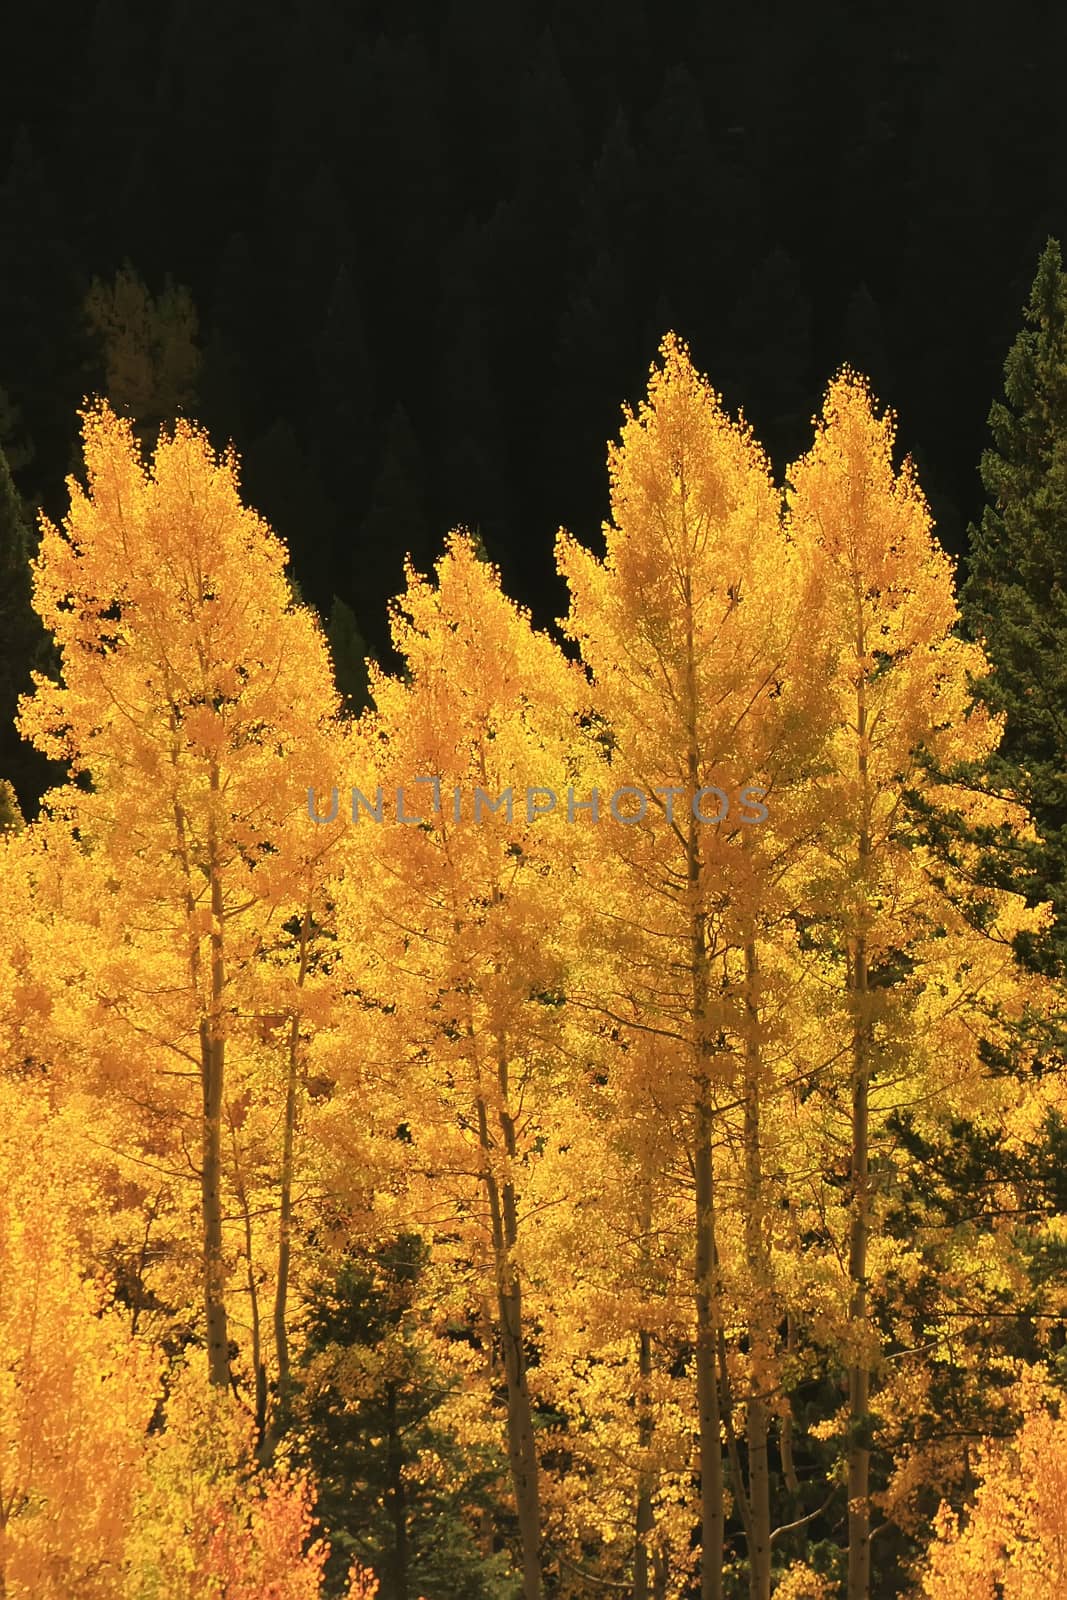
(431, 248)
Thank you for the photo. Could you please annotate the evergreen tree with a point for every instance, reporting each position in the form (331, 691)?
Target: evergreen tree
(599, 353)
(699, 199)
(11, 820)
(366, 1414)
(1013, 602)
(394, 175)
(116, 100)
(616, 198)
(863, 340)
(317, 246)
(771, 335)
(1015, 597)
(472, 459)
(14, 442)
(286, 484)
(592, 369)
(345, 392)
(23, 646)
(348, 649)
(41, 290)
(231, 402)
(395, 525)
(605, 46)
(533, 229)
(483, 49)
(312, 236)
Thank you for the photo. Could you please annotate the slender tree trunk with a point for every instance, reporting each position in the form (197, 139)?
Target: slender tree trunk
(757, 1413)
(646, 1520)
(142, 1260)
(213, 1066)
(789, 1470)
(710, 1420)
(486, 1539)
(218, 1341)
(398, 1513)
(859, 1455)
(705, 1261)
(258, 1366)
(212, 1074)
(522, 1451)
(285, 1216)
(644, 1558)
(285, 1222)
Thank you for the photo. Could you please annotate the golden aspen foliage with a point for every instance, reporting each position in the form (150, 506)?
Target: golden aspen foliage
(207, 1519)
(646, 994)
(918, 953)
(695, 629)
(455, 928)
(707, 679)
(1011, 1542)
(362, 1584)
(192, 684)
(611, 1326)
(77, 1391)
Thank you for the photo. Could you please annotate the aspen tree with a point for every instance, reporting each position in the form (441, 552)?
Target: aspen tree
(192, 683)
(693, 630)
(456, 925)
(878, 905)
